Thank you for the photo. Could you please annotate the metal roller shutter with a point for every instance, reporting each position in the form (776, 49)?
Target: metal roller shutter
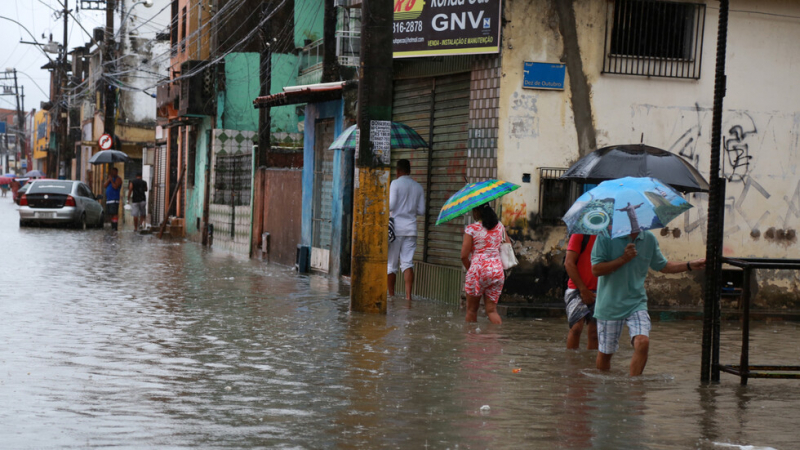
(411, 105)
(438, 109)
(160, 185)
(448, 165)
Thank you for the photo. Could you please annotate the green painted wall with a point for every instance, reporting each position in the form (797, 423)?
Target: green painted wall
(307, 21)
(241, 88)
(196, 193)
(284, 73)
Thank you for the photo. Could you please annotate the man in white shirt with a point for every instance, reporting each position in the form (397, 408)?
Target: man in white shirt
(406, 202)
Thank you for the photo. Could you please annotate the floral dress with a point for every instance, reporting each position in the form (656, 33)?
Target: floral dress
(485, 275)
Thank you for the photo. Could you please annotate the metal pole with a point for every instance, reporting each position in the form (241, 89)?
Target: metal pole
(21, 121)
(716, 219)
(265, 114)
(371, 182)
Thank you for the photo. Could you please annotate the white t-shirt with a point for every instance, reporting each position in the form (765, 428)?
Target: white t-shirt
(406, 202)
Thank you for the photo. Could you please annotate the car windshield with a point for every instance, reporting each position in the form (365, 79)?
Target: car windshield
(51, 187)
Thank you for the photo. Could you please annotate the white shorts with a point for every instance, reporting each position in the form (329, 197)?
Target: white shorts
(402, 249)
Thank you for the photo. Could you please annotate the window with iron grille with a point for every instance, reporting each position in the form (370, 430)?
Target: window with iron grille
(654, 38)
(555, 195)
(232, 180)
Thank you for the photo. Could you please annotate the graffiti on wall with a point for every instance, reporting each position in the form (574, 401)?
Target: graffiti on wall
(750, 203)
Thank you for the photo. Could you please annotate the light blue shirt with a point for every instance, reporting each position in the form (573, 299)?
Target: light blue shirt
(622, 293)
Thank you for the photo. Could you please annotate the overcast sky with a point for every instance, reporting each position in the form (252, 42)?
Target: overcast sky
(39, 17)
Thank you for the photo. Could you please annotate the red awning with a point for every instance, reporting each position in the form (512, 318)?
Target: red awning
(310, 93)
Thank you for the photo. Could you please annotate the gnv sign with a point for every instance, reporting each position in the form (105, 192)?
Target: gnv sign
(446, 27)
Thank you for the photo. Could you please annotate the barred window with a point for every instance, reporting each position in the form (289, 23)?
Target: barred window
(555, 195)
(232, 180)
(654, 38)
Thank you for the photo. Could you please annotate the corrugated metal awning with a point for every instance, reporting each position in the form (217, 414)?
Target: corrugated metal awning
(309, 93)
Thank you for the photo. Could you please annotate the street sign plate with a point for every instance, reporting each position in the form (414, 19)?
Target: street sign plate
(538, 75)
(105, 142)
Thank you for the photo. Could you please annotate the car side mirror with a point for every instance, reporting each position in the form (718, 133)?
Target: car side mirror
(98, 197)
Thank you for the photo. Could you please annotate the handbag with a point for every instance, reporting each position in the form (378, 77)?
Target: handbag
(507, 256)
(391, 229)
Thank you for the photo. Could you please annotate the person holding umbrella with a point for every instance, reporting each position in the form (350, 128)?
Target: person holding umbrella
(623, 253)
(480, 249)
(480, 254)
(113, 185)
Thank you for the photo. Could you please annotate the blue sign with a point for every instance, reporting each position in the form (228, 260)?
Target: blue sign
(2, 127)
(538, 75)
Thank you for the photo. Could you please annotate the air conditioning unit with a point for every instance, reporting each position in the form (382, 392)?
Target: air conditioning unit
(197, 88)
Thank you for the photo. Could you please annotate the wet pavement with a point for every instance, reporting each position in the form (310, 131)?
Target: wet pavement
(119, 340)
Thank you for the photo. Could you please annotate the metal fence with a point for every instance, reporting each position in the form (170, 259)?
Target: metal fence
(654, 38)
(232, 180)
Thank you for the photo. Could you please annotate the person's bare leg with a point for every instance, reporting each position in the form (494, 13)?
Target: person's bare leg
(408, 277)
(491, 311)
(473, 303)
(574, 336)
(641, 346)
(392, 279)
(604, 361)
(591, 331)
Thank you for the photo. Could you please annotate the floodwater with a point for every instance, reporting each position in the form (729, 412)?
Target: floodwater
(117, 340)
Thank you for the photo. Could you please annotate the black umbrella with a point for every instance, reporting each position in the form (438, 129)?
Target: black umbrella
(637, 160)
(108, 157)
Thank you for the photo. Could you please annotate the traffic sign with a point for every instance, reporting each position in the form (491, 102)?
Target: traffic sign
(105, 141)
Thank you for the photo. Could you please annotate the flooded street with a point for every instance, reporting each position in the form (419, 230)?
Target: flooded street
(119, 340)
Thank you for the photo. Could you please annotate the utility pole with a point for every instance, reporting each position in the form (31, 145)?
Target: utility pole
(265, 114)
(20, 119)
(108, 56)
(371, 182)
(330, 64)
(62, 108)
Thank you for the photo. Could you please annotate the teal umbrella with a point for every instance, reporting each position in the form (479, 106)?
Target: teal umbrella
(625, 206)
(403, 136)
(472, 196)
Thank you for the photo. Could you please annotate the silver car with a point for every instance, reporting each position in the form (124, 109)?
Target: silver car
(60, 202)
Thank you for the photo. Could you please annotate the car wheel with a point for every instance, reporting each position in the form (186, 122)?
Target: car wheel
(23, 223)
(100, 222)
(82, 224)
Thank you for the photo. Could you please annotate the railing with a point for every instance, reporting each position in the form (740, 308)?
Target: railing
(348, 47)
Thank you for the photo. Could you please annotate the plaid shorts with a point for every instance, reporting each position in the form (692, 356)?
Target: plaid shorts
(609, 331)
(576, 309)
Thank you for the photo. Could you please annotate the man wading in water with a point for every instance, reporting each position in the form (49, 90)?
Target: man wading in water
(621, 266)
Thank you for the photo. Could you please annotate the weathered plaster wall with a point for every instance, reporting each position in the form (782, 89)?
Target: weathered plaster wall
(761, 145)
(241, 87)
(196, 194)
(307, 21)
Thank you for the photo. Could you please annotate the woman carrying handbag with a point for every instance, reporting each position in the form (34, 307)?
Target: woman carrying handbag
(480, 254)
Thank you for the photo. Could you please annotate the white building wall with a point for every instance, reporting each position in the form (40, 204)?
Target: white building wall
(761, 127)
(145, 60)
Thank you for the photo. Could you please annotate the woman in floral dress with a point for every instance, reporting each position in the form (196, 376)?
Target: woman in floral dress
(480, 254)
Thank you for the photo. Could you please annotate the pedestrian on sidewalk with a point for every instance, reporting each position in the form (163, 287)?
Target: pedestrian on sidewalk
(621, 266)
(113, 185)
(581, 291)
(4, 188)
(480, 254)
(406, 202)
(14, 189)
(136, 190)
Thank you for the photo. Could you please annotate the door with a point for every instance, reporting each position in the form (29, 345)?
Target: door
(322, 210)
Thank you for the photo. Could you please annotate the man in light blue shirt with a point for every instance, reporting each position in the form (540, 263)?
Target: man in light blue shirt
(621, 265)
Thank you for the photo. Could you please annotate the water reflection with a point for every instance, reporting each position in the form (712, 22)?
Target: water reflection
(114, 339)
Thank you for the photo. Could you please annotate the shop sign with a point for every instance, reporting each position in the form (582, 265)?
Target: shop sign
(446, 27)
(537, 75)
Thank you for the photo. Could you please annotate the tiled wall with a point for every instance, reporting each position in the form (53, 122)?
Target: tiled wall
(231, 142)
(484, 108)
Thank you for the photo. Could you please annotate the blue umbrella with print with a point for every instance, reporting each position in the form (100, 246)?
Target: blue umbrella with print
(624, 206)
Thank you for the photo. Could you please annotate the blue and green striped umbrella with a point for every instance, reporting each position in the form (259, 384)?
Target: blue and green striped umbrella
(403, 136)
(472, 196)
